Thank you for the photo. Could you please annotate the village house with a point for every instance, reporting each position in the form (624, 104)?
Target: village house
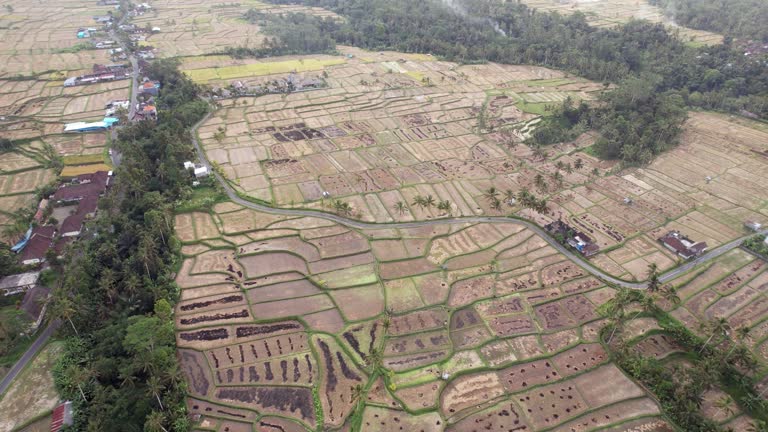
(682, 245)
(38, 245)
(17, 283)
(573, 238)
(199, 170)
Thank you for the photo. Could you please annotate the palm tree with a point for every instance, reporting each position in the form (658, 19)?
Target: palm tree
(757, 426)
(725, 403)
(540, 183)
(719, 326)
(741, 334)
(154, 388)
(568, 168)
(617, 310)
(558, 178)
(509, 197)
(653, 278)
(419, 200)
(400, 208)
(429, 201)
(342, 207)
(79, 376)
(444, 206)
(579, 164)
(62, 307)
(491, 194)
(559, 165)
(496, 204)
(155, 422)
(669, 293)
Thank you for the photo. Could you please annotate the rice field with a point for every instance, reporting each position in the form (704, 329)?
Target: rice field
(608, 13)
(305, 324)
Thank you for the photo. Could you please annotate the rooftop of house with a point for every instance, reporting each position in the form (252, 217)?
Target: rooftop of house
(73, 223)
(36, 248)
(90, 185)
(19, 280)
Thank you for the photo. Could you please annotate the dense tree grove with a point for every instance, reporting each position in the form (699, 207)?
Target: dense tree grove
(736, 18)
(292, 33)
(639, 54)
(117, 295)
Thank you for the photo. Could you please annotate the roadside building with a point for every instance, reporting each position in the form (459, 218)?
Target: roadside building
(753, 226)
(564, 233)
(37, 247)
(682, 245)
(17, 283)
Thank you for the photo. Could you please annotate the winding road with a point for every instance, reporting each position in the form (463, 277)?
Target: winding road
(353, 223)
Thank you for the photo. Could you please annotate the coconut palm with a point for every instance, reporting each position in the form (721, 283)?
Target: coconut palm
(155, 422)
(400, 208)
(757, 426)
(491, 193)
(579, 164)
(496, 204)
(154, 388)
(653, 278)
(419, 200)
(568, 168)
(560, 165)
(509, 197)
(540, 183)
(558, 178)
(444, 206)
(669, 293)
(429, 201)
(720, 326)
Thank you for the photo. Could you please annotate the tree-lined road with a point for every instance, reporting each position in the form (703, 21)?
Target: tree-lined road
(353, 223)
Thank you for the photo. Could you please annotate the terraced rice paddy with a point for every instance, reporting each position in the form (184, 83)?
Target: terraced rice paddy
(608, 13)
(300, 323)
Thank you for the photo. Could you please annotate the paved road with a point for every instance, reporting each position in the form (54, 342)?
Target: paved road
(31, 352)
(352, 223)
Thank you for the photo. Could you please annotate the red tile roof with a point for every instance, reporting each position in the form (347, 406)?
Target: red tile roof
(37, 247)
(73, 223)
(95, 186)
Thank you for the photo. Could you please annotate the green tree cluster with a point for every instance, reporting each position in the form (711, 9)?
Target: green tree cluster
(118, 291)
(734, 18)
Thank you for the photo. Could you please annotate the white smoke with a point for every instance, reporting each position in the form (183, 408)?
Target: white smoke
(459, 9)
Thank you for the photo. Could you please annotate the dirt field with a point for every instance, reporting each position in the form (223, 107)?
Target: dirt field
(32, 393)
(382, 141)
(608, 13)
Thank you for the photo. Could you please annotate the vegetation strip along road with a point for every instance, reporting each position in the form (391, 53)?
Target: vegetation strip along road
(352, 223)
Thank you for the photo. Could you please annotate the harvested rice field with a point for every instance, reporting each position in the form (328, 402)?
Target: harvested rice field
(608, 13)
(302, 324)
(194, 28)
(379, 140)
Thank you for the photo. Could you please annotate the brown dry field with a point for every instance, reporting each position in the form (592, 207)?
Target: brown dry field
(608, 13)
(390, 137)
(193, 28)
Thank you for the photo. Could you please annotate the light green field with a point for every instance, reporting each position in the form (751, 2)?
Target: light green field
(260, 69)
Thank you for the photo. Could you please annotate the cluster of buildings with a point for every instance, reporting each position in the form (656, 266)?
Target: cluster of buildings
(682, 245)
(82, 195)
(289, 84)
(573, 238)
(101, 73)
